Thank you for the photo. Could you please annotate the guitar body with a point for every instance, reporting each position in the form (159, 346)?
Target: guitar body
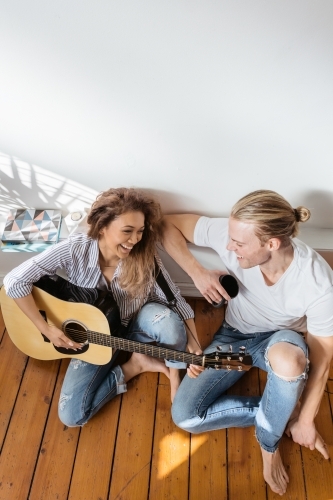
(58, 312)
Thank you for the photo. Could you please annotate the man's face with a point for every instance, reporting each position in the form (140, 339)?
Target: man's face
(246, 245)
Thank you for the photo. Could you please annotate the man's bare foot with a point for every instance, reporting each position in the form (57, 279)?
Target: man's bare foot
(139, 363)
(174, 381)
(321, 446)
(274, 472)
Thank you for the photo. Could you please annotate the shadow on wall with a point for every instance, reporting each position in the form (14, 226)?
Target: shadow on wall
(320, 203)
(26, 185)
(177, 202)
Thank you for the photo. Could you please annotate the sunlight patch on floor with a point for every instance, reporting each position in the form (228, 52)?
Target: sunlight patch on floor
(174, 450)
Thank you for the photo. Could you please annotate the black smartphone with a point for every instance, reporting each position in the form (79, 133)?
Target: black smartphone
(230, 285)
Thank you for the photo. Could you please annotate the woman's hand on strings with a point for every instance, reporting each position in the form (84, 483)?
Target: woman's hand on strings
(59, 339)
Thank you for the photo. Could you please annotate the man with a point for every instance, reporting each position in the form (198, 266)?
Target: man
(285, 293)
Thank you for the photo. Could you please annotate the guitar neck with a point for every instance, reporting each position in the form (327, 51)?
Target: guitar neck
(143, 348)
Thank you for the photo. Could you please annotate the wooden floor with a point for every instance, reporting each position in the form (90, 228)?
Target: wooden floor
(131, 450)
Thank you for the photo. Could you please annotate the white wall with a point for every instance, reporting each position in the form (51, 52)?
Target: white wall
(199, 101)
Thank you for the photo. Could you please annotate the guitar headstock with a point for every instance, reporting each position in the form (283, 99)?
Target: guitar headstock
(228, 360)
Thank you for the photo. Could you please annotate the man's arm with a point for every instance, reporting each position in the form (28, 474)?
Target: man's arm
(178, 230)
(302, 428)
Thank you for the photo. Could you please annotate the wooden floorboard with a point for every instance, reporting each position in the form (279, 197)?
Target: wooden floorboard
(57, 452)
(244, 457)
(170, 458)
(12, 366)
(292, 459)
(26, 427)
(318, 471)
(94, 456)
(131, 449)
(134, 439)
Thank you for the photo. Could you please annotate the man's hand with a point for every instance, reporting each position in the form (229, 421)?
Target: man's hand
(207, 282)
(306, 435)
(178, 229)
(302, 428)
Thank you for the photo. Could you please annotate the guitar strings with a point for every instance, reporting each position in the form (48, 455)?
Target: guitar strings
(144, 348)
(139, 346)
(83, 335)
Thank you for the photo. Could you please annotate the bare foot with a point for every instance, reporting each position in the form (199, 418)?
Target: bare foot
(174, 381)
(139, 363)
(321, 446)
(274, 472)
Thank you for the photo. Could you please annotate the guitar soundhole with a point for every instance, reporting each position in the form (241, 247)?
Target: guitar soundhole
(78, 333)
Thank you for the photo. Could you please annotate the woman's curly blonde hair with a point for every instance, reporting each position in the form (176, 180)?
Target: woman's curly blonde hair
(138, 269)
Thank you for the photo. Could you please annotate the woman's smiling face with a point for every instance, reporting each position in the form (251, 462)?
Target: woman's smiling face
(119, 237)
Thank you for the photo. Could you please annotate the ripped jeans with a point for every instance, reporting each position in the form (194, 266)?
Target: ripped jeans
(87, 387)
(202, 404)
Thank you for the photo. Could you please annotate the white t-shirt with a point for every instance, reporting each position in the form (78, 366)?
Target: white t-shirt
(302, 299)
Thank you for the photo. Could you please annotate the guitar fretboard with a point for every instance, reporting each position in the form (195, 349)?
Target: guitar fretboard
(143, 348)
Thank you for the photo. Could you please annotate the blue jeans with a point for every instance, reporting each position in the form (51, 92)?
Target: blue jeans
(202, 404)
(87, 387)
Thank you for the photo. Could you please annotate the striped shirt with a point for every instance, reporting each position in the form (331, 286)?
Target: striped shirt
(78, 256)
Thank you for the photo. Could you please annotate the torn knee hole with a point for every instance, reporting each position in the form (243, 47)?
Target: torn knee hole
(164, 314)
(64, 398)
(77, 363)
(302, 371)
(290, 379)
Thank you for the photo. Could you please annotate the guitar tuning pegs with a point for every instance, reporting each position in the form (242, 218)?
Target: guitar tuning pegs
(230, 348)
(242, 349)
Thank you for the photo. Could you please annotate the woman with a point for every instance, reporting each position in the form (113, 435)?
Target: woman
(117, 254)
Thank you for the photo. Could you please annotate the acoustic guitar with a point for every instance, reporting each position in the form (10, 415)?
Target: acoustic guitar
(87, 316)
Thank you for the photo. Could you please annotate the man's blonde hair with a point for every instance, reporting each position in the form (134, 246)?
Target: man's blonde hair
(271, 214)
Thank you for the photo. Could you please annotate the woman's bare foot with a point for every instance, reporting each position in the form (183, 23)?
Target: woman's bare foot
(274, 472)
(174, 381)
(139, 363)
